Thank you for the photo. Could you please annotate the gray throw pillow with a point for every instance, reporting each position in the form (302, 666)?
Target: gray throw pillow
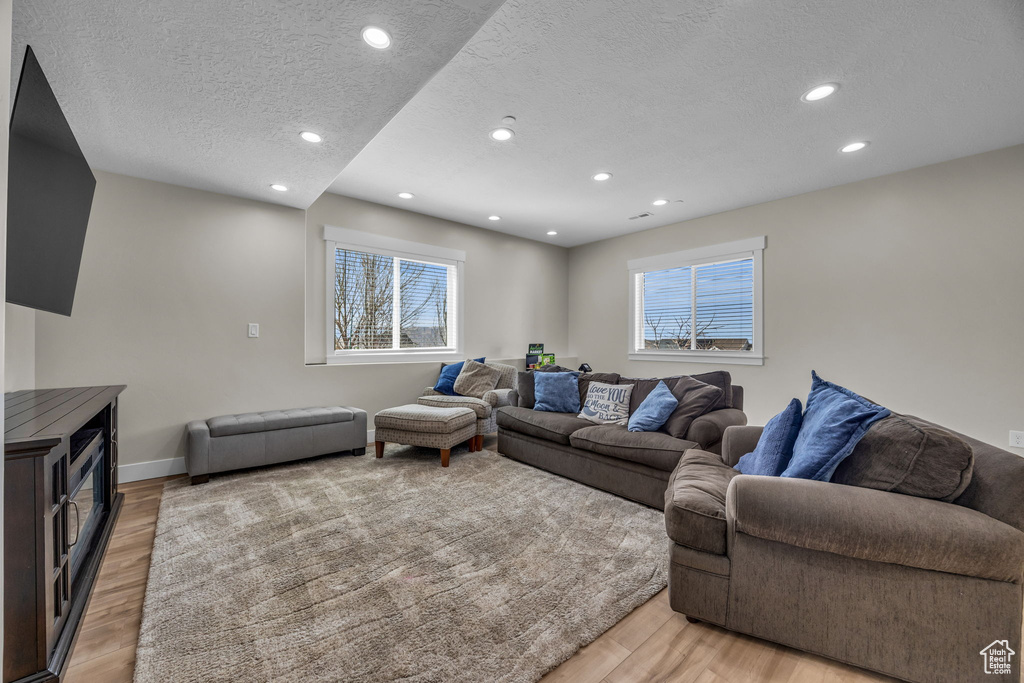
(905, 454)
(721, 379)
(607, 403)
(695, 398)
(476, 379)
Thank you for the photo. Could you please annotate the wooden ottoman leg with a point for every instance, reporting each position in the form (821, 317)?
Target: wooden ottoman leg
(379, 446)
(479, 442)
(445, 452)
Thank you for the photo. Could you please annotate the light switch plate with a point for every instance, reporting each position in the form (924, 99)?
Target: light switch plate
(254, 330)
(1016, 439)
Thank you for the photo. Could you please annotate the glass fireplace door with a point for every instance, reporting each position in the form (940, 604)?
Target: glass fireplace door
(86, 509)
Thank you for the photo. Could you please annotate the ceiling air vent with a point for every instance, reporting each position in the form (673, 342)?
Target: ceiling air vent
(645, 214)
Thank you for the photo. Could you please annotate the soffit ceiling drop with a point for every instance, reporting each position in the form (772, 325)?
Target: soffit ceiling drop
(213, 95)
(695, 101)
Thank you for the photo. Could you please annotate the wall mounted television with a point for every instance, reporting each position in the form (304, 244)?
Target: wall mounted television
(49, 196)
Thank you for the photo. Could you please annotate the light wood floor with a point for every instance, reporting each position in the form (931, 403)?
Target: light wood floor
(651, 644)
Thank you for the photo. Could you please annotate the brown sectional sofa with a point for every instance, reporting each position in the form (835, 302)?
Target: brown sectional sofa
(634, 465)
(908, 586)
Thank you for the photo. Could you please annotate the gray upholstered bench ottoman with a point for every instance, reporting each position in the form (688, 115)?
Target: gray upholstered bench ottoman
(232, 442)
(419, 425)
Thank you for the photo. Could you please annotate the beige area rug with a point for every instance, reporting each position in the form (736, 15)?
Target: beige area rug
(359, 569)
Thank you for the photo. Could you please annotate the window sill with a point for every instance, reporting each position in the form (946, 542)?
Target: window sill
(721, 357)
(395, 357)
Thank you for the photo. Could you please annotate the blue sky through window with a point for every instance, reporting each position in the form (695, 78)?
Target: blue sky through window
(724, 305)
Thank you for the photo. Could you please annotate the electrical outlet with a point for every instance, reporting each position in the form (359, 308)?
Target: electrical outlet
(254, 330)
(1016, 439)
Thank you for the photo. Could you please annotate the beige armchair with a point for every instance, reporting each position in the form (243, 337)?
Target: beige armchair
(485, 407)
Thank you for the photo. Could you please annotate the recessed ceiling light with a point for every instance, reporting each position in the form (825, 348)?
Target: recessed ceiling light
(602, 176)
(502, 134)
(376, 37)
(310, 137)
(494, 218)
(819, 92)
(406, 195)
(660, 202)
(552, 233)
(279, 187)
(854, 147)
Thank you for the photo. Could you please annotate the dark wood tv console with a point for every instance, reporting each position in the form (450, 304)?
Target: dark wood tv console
(60, 507)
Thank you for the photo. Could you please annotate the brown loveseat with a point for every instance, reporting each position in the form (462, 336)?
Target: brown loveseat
(634, 465)
(908, 586)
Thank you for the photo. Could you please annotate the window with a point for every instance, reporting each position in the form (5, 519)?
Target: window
(702, 305)
(391, 300)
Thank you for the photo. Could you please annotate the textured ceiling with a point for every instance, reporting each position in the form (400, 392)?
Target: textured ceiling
(214, 94)
(695, 101)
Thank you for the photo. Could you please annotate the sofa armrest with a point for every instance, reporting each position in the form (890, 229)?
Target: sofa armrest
(874, 525)
(429, 391)
(708, 429)
(513, 398)
(498, 397)
(738, 441)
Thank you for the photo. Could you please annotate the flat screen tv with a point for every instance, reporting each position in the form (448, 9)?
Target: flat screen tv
(49, 197)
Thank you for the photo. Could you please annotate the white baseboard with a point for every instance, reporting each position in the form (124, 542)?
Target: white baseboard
(154, 469)
(150, 470)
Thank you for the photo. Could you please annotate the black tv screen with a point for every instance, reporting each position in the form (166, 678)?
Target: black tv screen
(49, 196)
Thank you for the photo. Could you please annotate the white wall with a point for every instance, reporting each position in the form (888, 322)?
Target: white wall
(19, 348)
(171, 276)
(907, 288)
(514, 288)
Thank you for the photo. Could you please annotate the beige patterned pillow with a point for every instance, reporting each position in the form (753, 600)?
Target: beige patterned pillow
(476, 379)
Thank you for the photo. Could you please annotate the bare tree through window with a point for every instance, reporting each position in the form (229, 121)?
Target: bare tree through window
(365, 306)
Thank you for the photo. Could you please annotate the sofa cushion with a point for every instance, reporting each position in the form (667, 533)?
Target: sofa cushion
(478, 405)
(550, 426)
(717, 378)
(654, 449)
(476, 379)
(905, 454)
(695, 502)
(642, 388)
(524, 384)
(248, 423)
(721, 379)
(835, 420)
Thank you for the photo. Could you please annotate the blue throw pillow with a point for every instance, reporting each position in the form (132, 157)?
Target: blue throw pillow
(835, 420)
(654, 411)
(449, 373)
(556, 392)
(775, 447)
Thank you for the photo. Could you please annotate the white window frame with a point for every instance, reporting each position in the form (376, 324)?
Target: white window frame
(345, 238)
(752, 248)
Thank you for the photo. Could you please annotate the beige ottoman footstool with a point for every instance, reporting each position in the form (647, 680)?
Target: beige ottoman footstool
(427, 426)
